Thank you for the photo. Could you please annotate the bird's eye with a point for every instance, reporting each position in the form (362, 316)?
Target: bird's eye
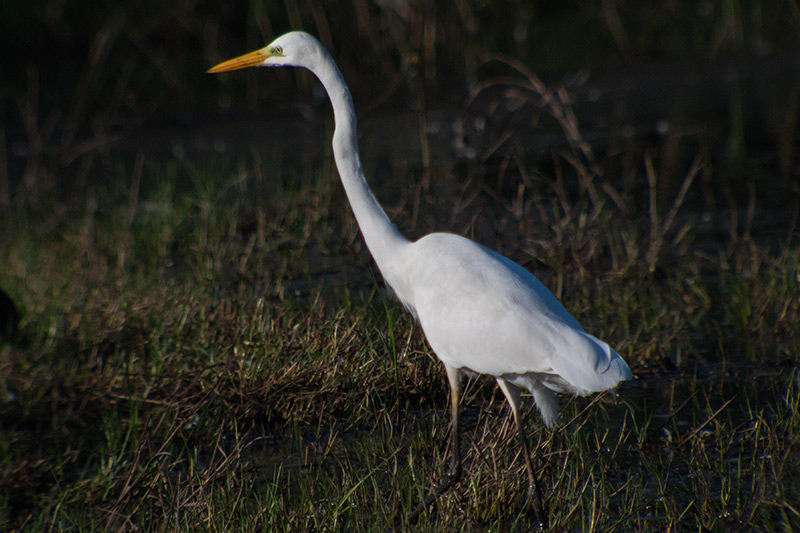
(277, 50)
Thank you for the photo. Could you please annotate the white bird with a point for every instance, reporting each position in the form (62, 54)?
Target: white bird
(481, 312)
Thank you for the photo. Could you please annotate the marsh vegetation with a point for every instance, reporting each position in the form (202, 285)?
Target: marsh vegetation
(204, 343)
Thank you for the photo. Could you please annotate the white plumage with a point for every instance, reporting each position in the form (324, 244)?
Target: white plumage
(485, 314)
(481, 312)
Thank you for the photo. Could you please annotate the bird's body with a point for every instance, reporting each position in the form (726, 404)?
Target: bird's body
(453, 284)
(481, 312)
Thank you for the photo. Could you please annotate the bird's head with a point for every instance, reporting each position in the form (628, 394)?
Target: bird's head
(294, 49)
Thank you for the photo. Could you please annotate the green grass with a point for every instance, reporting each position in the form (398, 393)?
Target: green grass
(184, 367)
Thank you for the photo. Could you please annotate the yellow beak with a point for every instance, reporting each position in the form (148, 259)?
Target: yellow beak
(253, 59)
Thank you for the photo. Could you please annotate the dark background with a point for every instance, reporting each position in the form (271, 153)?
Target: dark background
(79, 78)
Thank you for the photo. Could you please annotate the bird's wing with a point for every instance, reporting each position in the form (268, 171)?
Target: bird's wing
(483, 312)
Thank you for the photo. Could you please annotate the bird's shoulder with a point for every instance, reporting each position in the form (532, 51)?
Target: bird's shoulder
(450, 267)
(447, 259)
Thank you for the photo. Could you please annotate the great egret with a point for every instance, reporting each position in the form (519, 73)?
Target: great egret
(481, 312)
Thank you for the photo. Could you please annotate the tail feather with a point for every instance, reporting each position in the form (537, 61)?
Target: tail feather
(592, 366)
(546, 401)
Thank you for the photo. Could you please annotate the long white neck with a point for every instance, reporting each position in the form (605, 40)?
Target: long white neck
(382, 238)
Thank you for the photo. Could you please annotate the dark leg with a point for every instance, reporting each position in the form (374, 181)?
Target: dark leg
(454, 473)
(535, 495)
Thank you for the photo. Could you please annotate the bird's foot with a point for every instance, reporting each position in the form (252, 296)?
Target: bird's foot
(536, 503)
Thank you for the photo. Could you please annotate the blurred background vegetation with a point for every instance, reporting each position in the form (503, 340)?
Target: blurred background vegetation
(79, 78)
